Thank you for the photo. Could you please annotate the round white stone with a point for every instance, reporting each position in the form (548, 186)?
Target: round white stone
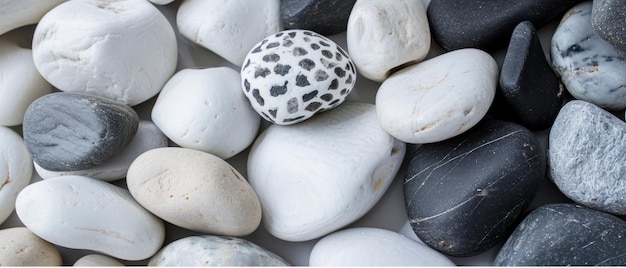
(206, 110)
(384, 35)
(194, 190)
(21, 247)
(83, 213)
(322, 174)
(97, 260)
(364, 246)
(124, 50)
(16, 169)
(439, 98)
(15, 14)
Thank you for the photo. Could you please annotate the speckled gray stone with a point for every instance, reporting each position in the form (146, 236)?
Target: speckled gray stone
(586, 156)
(607, 18)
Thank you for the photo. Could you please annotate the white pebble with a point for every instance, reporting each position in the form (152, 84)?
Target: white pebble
(15, 14)
(21, 247)
(97, 260)
(16, 169)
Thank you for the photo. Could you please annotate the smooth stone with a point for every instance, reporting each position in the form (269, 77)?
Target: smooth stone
(148, 137)
(79, 212)
(228, 28)
(16, 14)
(487, 24)
(326, 17)
(607, 19)
(216, 198)
(439, 98)
(464, 195)
(383, 36)
(21, 247)
(366, 246)
(161, 2)
(292, 75)
(73, 131)
(322, 174)
(528, 85)
(208, 250)
(206, 110)
(88, 46)
(16, 92)
(16, 170)
(586, 156)
(565, 235)
(97, 260)
(591, 69)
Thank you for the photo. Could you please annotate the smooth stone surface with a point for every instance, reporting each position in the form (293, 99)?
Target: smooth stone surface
(586, 156)
(16, 92)
(83, 213)
(366, 246)
(326, 17)
(527, 83)
(206, 110)
(607, 19)
(384, 35)
(292, 75)
(439, 98)
(323, 174)
(97, 260)
(21, 247)
(487, 24)
(228, 28)
(148, 137)
(566, 235)
(15, 14)
(590, 68)
(464, 195)
(72, 131)
(121, 50)
(208, 250)
(216, 198)
(16, 170)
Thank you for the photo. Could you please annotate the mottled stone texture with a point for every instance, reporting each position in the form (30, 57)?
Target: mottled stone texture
(326, 17)
(609, 21)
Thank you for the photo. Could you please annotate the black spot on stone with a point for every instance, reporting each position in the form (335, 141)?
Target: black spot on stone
(315, 46)
(271, 58)
(257, 95)
(340, 72)
(338, 56)
(292, 106)
(327, 54)
(573, 49)
(324, 44)
(320, 75)
(344, 91)
(298, 51)
(263, 72)
(289, 120)
(348, 67)
(306, 39)
(281, 69)
(308, 33)
(327, 97)
(292, 34)
(334, 84)
(349, 80)
(302, 81)
(343, 52)
(246, 85)
(273, 45)
(309, 96)
(352, 69)
(334, 102)
(256, 50)
(279, 34)
(287, 43)
(313, 106)
(327, 64)
(246, 65)
(276, 90)
(273, 112)
(307, 64)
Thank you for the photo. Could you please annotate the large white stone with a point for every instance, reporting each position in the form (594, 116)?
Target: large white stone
(120, 49)
(16, 169)
(15, 14)
(383, 35)
(21, 247)
(439, 98)
(322, 174)
(83, 213)
(206, 110)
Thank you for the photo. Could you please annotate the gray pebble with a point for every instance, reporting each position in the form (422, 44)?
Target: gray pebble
(607, 18)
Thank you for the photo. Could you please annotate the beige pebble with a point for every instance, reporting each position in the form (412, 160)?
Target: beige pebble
(97, 260)
(21, 247)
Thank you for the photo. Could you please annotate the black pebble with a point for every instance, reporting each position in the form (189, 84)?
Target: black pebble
(326, 17)
(608, 18)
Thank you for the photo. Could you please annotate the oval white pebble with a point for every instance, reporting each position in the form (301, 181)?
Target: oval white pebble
(364, 246)
(83, 213)
(194, 190)
(324, 173)
(15, 14)
(97, 260)
(439, 98)
(206, 110)
(16, 169)
(21, 247)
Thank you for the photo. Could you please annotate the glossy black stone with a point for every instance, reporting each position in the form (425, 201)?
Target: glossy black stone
(326, 17)
(72, 131)
(564, 235)
(608, 20)
(464, 195)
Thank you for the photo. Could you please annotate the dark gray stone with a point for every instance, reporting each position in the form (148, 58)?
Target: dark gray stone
(326, 17)
(464, 195)
(72, 131)
(607, 18)
(564, 235)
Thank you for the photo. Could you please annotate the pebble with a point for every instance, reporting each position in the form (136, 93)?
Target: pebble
(87, 46)
(228, 28)
(566, 235)
(585, 156)
(83, 213)
(16, 93)
(326, 17)
(590, 68)
(528, 85)
(292, 75)
(459, 24)
(208, 250)
(97, 260)
(439, 98)
(607, 19)
(206, 110)
(464, 195)
(16, 14)
(73, 131)
(366, 246)
(323, 174)
(148, 137)
(383, 36)
(216, 198)
(21, 247)
(161, 2)
(16, 170)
